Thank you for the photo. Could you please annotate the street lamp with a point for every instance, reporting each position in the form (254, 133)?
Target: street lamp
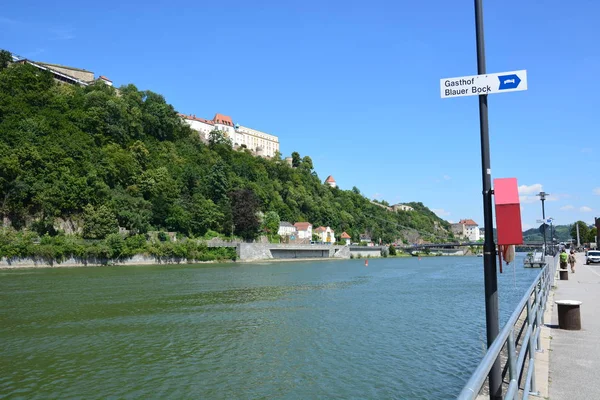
(543, 198)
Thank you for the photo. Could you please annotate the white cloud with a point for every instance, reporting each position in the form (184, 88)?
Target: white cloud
(447, 178)
(585, 209)
(597, 191)
(440, 212)
(531, 189)
(567, 207)
(528, 199)
(377, 195)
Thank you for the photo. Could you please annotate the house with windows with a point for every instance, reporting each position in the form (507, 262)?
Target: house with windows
(304, 230)
(286, 229)
(326, 234)
(346, 238)
(466, 229)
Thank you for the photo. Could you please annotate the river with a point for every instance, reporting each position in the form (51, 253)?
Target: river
(399, 328)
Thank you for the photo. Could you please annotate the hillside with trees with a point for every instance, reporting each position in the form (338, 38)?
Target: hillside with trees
(88, 160)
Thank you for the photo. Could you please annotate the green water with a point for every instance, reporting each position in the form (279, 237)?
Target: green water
(399, 328)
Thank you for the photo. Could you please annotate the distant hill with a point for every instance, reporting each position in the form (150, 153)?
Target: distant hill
(561, 233)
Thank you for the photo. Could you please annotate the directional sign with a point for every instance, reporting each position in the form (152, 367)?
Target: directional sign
(476, 85)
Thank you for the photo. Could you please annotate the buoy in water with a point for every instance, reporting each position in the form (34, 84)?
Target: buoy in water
(366, 263)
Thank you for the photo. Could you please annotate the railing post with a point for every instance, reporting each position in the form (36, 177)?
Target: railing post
(531, 344)
(512, 355)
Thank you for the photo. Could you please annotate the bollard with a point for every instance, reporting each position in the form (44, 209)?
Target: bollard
(569, 316)
(564, 274)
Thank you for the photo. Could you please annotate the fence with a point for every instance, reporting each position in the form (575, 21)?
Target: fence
(517, 343)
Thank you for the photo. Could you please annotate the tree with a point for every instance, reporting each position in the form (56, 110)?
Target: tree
(355, 190)
(99, 222)
(591, 238)
(217, 137)
(392, 250)
(296, 159)
(5, 59)
(307, 163)
(271, 222)
(584, 231)
(244, 207)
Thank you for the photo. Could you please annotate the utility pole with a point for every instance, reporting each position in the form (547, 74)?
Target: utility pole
(543, 198)
(578, 241)
(489, 247)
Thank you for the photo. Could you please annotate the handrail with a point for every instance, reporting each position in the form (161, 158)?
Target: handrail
(530, 343)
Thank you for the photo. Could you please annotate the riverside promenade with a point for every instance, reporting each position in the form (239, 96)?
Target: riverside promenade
(574, 357)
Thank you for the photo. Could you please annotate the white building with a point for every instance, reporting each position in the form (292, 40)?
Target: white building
(466, 228)
(402, 207)
(304, 230)
(330, 181)
(326, 234)
(286, 229)
(260, 143)
(347, 238)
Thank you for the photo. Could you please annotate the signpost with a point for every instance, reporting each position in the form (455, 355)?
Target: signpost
(475, 85)
(481, 85)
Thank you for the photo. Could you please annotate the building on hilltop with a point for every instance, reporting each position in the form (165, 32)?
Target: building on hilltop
(466, 228)
(258, 142)
(402, 207)
(330, 181)
(64, 73)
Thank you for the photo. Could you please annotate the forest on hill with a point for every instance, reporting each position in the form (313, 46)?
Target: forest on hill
(92, 159)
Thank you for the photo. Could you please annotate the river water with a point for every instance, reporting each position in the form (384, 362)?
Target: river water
(399, 328)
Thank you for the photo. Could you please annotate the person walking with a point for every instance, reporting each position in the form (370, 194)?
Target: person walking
(564, 258)
(572, 260)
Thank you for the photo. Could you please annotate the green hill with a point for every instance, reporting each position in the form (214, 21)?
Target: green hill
(561, 233)
(93, 159)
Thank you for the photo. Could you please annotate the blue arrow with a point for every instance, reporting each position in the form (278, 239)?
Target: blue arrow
(509, 81)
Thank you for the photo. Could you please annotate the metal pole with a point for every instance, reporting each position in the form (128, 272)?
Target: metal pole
(544, 219)
(489, 248)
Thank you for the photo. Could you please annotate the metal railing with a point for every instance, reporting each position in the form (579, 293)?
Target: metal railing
(517, 344)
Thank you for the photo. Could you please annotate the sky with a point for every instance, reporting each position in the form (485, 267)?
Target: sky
(355, 86)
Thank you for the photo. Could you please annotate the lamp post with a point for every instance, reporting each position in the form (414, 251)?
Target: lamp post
(551, 236)
(543, 198)
(489, 247)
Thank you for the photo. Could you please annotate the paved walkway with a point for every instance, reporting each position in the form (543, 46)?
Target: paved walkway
(574, 367)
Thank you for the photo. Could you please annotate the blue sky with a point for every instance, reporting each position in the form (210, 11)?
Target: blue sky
(355, 85)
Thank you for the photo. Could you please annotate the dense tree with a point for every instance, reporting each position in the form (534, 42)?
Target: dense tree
(5, 59)
(296, 159)
(126, 159)
(591, 238)
(584, 231)
(99, 222)
(271, 222)
(244, 206)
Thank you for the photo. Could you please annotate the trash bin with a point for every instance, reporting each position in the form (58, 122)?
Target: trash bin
(564, 274)
(569, 316)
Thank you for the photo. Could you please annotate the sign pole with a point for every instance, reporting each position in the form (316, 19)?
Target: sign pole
(489, 248)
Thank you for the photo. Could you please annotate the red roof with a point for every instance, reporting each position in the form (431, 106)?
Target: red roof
(105, 78)
(222, 119)
(468, 222)
(346, 236)
(302, 226)
(321, 229)
(194, 118)
(330, 179)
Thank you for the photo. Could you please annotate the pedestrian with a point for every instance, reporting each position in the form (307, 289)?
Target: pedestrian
(572, 261)
(564, 257)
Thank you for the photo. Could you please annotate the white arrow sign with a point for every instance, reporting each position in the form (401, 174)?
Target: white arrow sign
(476, 85)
